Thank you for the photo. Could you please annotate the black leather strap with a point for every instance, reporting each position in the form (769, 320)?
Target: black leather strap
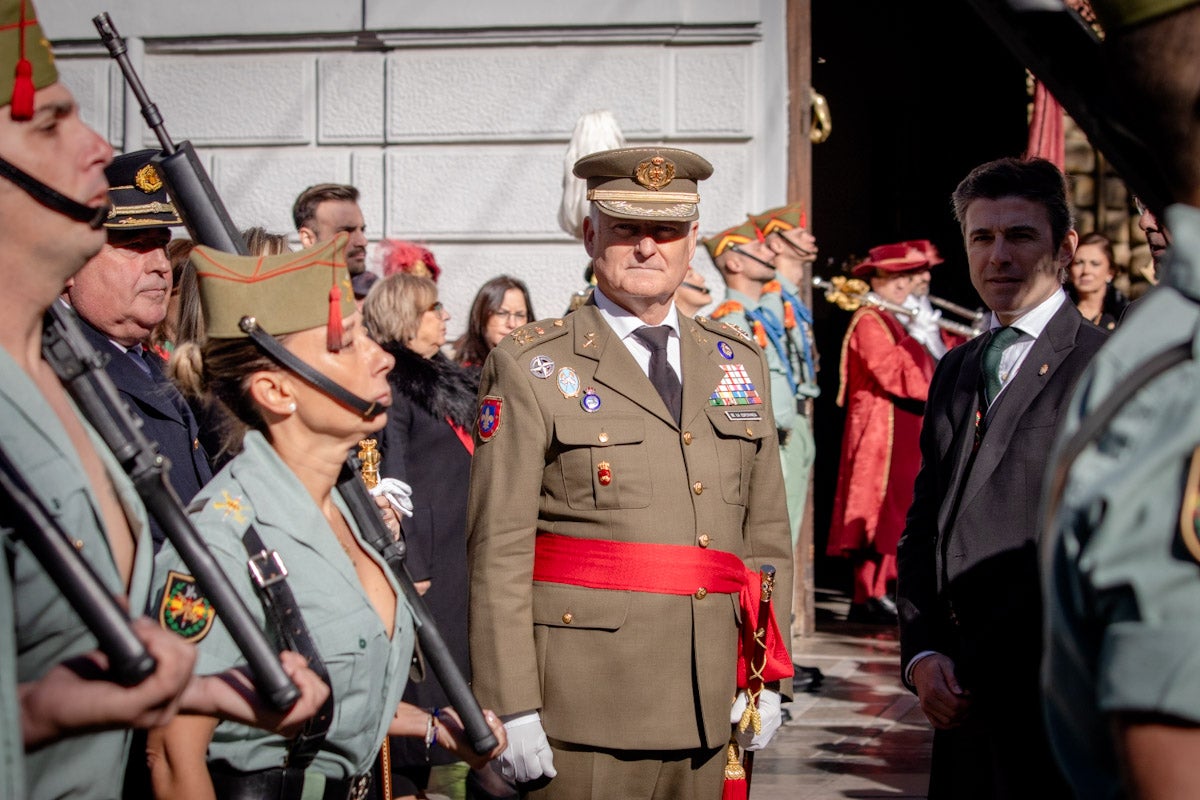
(368, 409)
(53, 200)
(269, 576)
(281, 784)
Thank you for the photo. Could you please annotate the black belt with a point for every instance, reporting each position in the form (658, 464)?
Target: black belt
(282, 784)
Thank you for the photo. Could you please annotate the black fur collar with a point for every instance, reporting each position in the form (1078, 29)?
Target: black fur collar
(437, 385)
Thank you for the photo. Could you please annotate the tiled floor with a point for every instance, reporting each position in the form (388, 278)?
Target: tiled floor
(861, 734)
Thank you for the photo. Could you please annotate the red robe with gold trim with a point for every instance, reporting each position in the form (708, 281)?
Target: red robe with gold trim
(880, 447)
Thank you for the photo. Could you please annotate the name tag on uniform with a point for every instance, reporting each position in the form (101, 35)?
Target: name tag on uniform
(743, 415)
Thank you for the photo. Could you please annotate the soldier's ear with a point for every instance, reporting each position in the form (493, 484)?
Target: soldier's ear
(308, 237)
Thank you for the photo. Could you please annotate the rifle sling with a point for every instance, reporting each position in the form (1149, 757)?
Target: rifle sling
(270, 579)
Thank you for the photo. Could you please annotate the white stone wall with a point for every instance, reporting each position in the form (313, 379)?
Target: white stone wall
(451, 118)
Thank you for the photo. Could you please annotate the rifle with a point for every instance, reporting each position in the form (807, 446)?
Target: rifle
(81, 369)
(188, 184)
(129, 663)
(1064, 52)
(433, 646)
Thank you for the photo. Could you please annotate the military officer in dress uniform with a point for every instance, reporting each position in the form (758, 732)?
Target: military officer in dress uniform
(121, 294)
(626, 487)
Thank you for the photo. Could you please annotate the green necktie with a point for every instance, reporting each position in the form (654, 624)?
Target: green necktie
(1001, 339)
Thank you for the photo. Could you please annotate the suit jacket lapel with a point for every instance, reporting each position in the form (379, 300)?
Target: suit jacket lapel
(619, 371)
(1043, 360)
(130, 380)
(963, 405)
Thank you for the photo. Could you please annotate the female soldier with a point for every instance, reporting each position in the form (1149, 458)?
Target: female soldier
(305, 399)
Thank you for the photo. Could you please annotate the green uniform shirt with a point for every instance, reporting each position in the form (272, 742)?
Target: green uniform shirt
(367, 670)
(48, 630)
(1121, 561)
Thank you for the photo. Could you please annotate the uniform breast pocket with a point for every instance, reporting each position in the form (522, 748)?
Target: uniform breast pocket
(343, 647)
(604, 461)
(737, 442)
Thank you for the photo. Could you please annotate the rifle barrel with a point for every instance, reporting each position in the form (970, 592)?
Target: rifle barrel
(117, 49)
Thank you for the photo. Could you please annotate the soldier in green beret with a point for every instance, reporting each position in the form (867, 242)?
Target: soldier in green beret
(1121, 554)
(625, 488)
(288, 356)
(63, 734)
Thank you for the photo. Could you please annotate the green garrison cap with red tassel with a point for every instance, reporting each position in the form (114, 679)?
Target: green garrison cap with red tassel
(742, 233)
(25, 54)
(284, 294)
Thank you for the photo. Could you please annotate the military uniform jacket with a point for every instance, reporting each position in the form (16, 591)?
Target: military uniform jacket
(1121, 559)
(611, 668)
(166, 418)
(367, 671)
(48, 630)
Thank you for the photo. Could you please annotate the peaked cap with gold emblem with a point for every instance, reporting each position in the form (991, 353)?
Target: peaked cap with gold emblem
(743, 233)
(137, 195)
(645, 182)
(26, 60)
(284, 293)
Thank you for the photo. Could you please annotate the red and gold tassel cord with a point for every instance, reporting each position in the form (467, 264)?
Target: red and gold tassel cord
(737, 786)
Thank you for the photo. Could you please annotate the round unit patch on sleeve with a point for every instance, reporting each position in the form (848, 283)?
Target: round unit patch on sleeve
(184, 610)
(489, 417)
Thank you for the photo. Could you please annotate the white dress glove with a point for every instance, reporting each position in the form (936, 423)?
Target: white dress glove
(769, 714)
(398, 493)
(528, 755)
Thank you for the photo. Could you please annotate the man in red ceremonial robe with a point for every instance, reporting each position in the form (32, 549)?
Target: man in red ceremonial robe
(885, 376)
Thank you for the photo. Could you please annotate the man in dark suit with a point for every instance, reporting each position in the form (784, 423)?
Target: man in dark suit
(121, 294)
(968, 595)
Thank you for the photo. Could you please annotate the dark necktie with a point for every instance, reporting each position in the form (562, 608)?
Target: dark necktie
(1001, 339)
(661, 375)
(135, 353)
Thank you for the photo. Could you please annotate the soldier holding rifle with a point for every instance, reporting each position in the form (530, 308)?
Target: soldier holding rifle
(626, 485)
(303, 400)
(53, 198)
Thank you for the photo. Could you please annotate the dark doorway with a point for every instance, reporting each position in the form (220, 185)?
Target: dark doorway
(920, 92)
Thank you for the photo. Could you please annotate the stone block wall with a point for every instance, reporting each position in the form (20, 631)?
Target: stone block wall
(452, 122)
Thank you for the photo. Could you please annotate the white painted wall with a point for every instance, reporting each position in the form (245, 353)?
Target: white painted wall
(452, 118)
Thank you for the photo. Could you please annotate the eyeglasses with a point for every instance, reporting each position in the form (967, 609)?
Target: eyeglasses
(516, 317)
(437, 307)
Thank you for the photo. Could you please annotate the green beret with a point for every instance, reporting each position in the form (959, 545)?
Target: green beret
(743, 233)
(284, 293)
(17, 29)
(644, 182)
(136, 194)
(1117, 14)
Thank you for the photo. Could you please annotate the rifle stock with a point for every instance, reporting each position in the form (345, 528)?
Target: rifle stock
(81, 370)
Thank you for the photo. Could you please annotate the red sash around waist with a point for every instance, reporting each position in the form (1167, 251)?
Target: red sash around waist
(664, 569)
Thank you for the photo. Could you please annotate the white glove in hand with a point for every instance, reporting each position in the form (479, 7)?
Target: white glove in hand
(398, 493)
(769, 713)
(528, 755)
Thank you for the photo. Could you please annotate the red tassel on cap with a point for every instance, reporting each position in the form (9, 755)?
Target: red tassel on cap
(333, 340)
(22, 94)
(803, 218)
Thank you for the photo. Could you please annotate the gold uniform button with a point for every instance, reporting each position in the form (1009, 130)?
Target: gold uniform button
(701, 593)
(749, 431)
(195, 444)
(567, 617)
(78, 544)
(603, 437)
(698, 487)
(704, 540)
(687, 437)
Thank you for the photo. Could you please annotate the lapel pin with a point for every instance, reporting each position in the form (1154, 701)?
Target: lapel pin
(589, 338)
(1043, 369)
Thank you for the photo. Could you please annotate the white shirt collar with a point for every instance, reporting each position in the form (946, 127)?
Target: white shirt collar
(1035, 320)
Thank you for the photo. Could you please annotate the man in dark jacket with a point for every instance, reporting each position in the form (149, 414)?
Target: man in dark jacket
(121, 294)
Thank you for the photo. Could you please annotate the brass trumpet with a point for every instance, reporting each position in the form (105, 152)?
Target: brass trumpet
(849, 294)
